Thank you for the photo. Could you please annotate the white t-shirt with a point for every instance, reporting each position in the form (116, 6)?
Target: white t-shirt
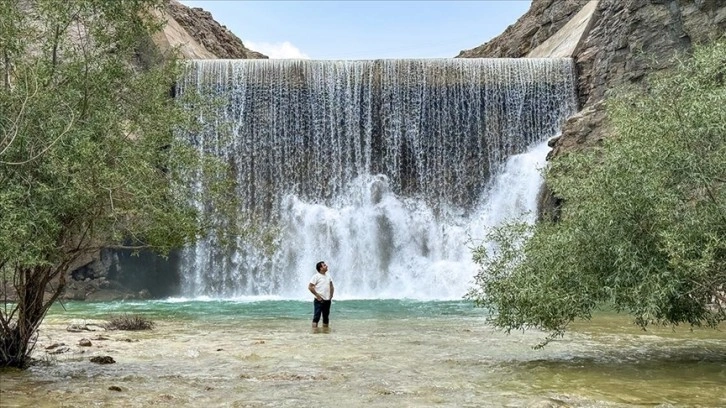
(322, 284)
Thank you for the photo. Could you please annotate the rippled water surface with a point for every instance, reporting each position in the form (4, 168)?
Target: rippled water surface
(380, 353)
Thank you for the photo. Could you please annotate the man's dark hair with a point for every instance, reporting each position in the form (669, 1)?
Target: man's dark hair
(319, 265)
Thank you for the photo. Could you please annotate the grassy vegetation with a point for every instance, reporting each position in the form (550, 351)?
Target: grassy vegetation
(129, 322)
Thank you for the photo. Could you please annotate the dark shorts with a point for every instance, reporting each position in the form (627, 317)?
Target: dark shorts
(321, 308)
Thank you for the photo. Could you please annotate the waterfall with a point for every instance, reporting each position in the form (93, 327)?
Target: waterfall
(385, 169)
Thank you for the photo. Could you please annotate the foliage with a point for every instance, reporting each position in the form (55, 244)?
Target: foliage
(87, 153)
(129, 322)
(643, 228)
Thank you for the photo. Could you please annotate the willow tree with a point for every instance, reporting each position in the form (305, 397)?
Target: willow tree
(87, 152)
(643, 227)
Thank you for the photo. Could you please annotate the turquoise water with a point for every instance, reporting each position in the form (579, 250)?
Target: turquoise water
(221, 310)
(377, 353)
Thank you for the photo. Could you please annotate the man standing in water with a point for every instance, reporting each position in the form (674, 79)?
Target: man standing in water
(321, 286)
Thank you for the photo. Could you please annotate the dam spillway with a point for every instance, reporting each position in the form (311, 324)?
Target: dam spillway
(380, 167)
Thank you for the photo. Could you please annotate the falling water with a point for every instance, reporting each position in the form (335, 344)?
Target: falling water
(388, 170)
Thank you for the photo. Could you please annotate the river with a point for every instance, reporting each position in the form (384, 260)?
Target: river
(377, 353)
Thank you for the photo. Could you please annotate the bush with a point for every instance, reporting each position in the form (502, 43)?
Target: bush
(129, 322)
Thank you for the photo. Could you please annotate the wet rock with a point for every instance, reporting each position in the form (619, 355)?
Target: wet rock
(115, 388)
(76, 328)
(55, 345)
(58, 348)
(103, 360)
(85, 343)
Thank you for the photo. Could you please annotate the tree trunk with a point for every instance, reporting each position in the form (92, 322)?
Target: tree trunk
(18, 334)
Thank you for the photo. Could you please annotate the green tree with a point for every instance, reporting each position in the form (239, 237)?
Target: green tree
(87, 152)
(643, 227)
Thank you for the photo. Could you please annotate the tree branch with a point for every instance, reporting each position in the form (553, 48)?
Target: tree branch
(6, 59)
(16, 127)
(67, 129)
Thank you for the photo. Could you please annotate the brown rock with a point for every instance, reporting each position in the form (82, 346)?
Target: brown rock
(540, 22)
(54, 346)
(215, 38)
(103, 360)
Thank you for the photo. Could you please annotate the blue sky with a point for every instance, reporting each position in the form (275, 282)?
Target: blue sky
(364, 29)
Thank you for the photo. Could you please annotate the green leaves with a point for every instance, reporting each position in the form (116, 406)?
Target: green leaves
(88, 156)
(643, 228)
(88, 152)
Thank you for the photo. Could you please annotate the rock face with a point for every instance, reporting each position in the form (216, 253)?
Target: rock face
(627, 41)
(199, 36)
(543, 19)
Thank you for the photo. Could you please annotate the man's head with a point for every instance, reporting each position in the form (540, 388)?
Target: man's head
(321, 267)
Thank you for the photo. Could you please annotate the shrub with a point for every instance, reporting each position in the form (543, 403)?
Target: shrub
(643, 227)
(129, 322)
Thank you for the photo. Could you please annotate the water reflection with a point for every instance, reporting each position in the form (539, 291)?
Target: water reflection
(321, 330)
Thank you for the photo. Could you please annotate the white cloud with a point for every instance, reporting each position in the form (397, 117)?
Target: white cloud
(284, 50)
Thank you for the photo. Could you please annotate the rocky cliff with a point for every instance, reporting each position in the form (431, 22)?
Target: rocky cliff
(198, 35)
(625, 42)
(543, 19)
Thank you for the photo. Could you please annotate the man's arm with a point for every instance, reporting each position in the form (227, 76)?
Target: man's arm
(311, 288)
(332, 290)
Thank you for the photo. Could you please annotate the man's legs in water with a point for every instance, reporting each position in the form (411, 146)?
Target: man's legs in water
(318, 310)
(326, 312)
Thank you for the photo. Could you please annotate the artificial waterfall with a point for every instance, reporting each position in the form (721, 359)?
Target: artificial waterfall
(389, 170)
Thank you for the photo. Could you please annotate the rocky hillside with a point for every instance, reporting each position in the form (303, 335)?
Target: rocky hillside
(543, 19)
(625, 42)
(199, 36)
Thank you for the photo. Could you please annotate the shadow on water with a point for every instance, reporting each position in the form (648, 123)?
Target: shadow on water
(652, 359)
(641, 373)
